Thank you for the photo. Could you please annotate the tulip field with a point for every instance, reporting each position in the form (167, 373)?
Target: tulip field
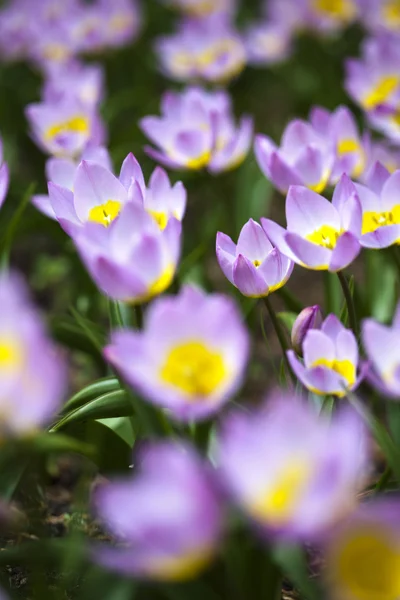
(199, 300)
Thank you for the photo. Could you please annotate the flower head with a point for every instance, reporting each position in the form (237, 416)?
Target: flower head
(197, 130)
(305, 157)
(254, 266)
(363, 554)
(168, 516)
(330, 359)
(309, 318)
(127, 254)
(208, 49)
(320, 235)
(83, 82)
(380, 205)
(331, 14)
(382, 349)
(32, 374)
(382, 16)
(99, 196)
(292, 472)
(202, 8)
(64, 128)
(190, 366)
(268, 43)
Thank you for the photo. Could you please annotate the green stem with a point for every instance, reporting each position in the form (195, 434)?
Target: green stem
(114, 311)
(280, 335)
(350, 304)
(139, 315)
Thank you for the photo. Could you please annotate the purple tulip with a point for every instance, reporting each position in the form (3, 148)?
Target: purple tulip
(208, 49)
(382, 349)
(362, 554)
(254, 266)
(320, 235)
(268, 43)
(189, 366)
(32, 374)
(328, 15)
(351, 148)
(309, 318)
(380, 208)
(202, 8)
(197, 130)
(62, 171)
(293, 472)
(168, 516)
(305, 157)
(65, 128)
(330, 359)
(83, 82)
(99, 196)
(16, 31)
(380, 16)
(4, 176)
(130, 258)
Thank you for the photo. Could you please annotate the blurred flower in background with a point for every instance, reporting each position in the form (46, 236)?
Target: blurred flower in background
(202, 8)
(208, 49)
(320, 235)
(267, 43)
(168, 516)
(330, 359)
(380, 15)
(363, 554)
(127, 254)
(197, 130)
(382, 349)
(189, 365)
(293, 472)
(32, 373)
(254, 266)
(77, 80)
(384, 152)
(328, 15)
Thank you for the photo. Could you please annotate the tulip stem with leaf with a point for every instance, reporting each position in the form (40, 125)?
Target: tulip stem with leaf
(280, 335)
(350, 304)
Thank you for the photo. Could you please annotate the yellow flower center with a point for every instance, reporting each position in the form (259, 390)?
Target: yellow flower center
(121, 22)
(344, 368)
(322, 183)
(326, 236)
(386, 86)
(194, 369)
(157, 287)
(342, 9)
(180, 568)
(349, 146)
(78, 124)
(256, 263)
(374, 220)
(105, 213)
(11, 354)
(200, 161)
(391, 13)
(367, 566)
(160, 218)
(56, 52)
(279, 502)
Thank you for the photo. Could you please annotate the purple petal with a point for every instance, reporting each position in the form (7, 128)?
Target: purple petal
(226, 254)
(381, 238)
(42, 203)
(332, 326)
(131, 172)
(4, 182)
(390, 192)
(62, 202)
(346, 250)
(253, 242)
(377, 177)
(247, 279)
(308, 254)
(163, 158)
(344, 189)
(307, 211)
(317, 345)
(277, 235)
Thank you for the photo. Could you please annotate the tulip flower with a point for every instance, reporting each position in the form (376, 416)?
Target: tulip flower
(327, 15)
(130, 258)
(363, 554)
(189, 366)
(254, 266)
(65, 128)
(206, 49)
(202, 8)
(168, 516)
(309, 318)
(330, 359)
(320, 235)
(197, 130)
(305, 157)
(32, 374)
(83, 82)
(382, 349)
(294, 473)
(268, 43)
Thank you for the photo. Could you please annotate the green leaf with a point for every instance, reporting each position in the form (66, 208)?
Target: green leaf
(9, 231)
(114, 404)
(89, 329)
(94, 390)
(68, 333)
(333, 293)
(292, 560)
(56, 442)
(122, 426)
(115, 314)
(99, 583)
(381, 278)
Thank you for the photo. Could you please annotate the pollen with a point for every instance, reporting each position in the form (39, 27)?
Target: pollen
(326, 236)
(105, 213)
(78, 124)
(194, 369)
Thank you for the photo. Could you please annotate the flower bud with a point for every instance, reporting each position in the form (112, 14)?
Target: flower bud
(309, 318)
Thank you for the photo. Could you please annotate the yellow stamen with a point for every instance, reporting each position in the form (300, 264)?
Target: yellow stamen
(374, 220)
(366, 566)
(256, 263)
(105, 213)
(180, 568)
(279, 502)
(78, 124)
(200, 161)
(160, 218)
(326, 236)
(194, 368)
(158, 286)
(56, 52)
(382, 91)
